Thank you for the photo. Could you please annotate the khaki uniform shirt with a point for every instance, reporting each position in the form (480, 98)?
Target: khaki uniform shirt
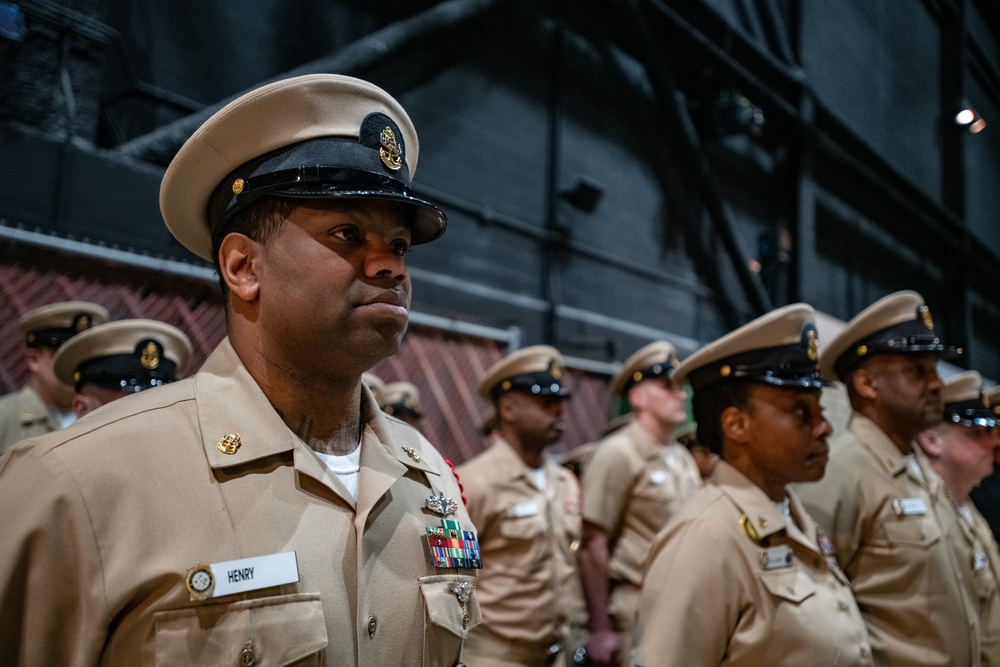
(111, 513)
(713, 595)
(23, 414)
(980, 560)
(630, 491)
(528, 538)
(891, 530)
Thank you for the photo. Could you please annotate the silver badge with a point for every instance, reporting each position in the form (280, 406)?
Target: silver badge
(440, 504)
(462, 590)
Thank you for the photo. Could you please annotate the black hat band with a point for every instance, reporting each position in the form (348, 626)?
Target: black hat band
(662, 369)
(780, 366)
(972, 412)
(541, 383)
(907, 337)
(124, 372)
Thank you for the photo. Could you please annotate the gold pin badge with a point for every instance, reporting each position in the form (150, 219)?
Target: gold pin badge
(230, 444)
(238, 186)
(725, 371)
(986, 401)
(391, 156)
(813, 342)
(506, 385)
(412, 453)
(749, 529)
(637, 376)
(200, 582)
(76, 376)
(925, 315)
(82, 323)
(555, 370)
(862, 350)
(150, 359)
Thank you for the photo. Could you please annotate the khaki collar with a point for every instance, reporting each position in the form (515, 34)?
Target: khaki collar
(647, 447)
(760, 510)
(878, 443)
(230, 403)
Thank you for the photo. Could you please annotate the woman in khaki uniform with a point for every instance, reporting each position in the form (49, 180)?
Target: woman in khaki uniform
(264, 511)
(741, 575)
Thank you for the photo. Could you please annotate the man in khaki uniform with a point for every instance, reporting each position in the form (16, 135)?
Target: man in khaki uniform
(741, 575)
(117, 359)
(263, 511)
(402, 401)
(961, 451)
(635, 480)
(883, 508)
(528, 514)
(44, 404)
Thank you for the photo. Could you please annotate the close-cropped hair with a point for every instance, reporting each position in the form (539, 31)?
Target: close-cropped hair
(258, 222)
(708, 404)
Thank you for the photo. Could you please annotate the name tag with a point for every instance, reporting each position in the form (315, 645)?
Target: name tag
(979, 561)
(776, 558)
(522, 510)
(658, 477)
(243, 575)
(909, 506)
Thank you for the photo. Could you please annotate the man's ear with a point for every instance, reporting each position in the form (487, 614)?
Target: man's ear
(930, 443)
(637, 397)
(735, 425)
(33, 360)
(81, 405)
(865, 383)
(237, 266)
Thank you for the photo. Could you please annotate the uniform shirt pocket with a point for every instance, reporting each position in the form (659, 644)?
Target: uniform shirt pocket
(911, 531)
(788, 584)
(451, 602)
(283, 630)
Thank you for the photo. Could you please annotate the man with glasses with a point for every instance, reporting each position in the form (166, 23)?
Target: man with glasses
(961, 451)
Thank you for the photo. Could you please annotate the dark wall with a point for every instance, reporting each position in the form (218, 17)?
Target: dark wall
(843, 198)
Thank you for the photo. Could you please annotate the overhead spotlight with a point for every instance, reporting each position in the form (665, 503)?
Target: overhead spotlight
(967, 118)
(585, 196)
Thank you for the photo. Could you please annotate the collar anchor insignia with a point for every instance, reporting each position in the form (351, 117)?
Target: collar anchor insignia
(440, 504)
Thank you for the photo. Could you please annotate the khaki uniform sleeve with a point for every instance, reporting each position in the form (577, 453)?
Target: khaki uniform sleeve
(689, 605)
(607, 484)
(51, 584)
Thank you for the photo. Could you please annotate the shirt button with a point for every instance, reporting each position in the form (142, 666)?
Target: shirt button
(247, 657)
(842, 606)
(372, 626)
(864, 652)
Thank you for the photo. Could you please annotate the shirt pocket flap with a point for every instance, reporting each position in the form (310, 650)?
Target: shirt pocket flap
(911, 531)
(444, 595)
(790, 584)
(280, 630)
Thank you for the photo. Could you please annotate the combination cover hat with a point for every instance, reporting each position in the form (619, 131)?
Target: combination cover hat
(537, 370)
(55, 323)
(128, 355)
(376, 386)
(898, 323)
(658, 359)
(313, 136)
(779, 348)
(400, 397)
(965, 402)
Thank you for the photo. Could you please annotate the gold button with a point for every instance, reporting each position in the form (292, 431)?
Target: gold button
(372, 626)
(247, 657)
(465, 621)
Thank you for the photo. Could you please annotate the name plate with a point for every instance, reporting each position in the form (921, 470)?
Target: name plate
(776, 558)
(243, 575)
(909, 506)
